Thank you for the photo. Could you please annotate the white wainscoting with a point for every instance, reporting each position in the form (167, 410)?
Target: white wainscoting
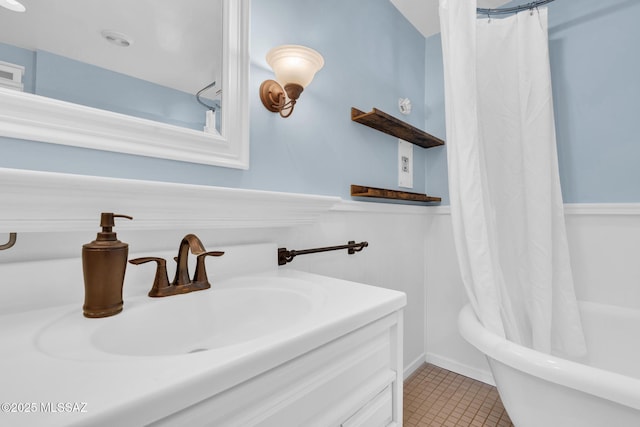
(394, 258)
(410, 247)
(604, 242)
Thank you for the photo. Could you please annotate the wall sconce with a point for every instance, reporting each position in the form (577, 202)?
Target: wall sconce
(294, 67)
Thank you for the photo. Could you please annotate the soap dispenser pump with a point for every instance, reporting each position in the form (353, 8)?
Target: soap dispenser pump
(103, 264)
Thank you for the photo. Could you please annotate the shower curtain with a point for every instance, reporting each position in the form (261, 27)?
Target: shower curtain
(504, 186)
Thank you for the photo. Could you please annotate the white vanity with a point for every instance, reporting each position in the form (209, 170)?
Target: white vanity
(265, 346)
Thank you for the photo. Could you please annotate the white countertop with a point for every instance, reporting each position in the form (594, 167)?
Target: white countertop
(97, 388)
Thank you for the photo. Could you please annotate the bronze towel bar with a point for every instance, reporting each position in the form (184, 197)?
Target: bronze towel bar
(285, 256)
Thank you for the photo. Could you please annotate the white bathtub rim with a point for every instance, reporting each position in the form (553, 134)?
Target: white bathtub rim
(595, 381)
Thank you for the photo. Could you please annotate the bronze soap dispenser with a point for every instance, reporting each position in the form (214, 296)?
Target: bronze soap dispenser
(103, 263)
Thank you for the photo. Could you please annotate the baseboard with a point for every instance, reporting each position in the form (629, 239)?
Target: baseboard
(482, 375)
(413, 366)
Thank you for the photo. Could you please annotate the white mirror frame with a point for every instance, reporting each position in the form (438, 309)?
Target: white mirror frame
(37, 118)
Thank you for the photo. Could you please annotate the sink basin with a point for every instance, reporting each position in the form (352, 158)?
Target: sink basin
(244, 310)
(188, 325)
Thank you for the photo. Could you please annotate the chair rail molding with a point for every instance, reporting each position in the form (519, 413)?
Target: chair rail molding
(35, 201)
(592, 209)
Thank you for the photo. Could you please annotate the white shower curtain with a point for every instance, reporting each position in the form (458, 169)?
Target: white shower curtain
(506, 204)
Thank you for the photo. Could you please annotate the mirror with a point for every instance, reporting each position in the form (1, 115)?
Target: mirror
(123, 76)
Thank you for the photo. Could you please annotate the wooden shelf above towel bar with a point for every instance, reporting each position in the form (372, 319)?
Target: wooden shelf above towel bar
(381, 193)
(388, 124)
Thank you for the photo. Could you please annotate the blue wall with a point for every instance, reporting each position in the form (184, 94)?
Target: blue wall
(62, 78)
(69, 80)
(373, 56)
(595, 67)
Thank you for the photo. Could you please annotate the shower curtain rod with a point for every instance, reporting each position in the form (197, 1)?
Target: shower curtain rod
(514, 9)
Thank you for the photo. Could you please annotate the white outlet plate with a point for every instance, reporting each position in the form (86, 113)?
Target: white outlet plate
(405, 164)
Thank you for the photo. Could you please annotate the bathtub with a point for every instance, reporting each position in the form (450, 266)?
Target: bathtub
(539, 390)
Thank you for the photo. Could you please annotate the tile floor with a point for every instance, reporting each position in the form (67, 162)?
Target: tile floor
(435, 397)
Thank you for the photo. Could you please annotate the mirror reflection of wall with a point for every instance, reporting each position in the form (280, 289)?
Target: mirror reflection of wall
(169, 51)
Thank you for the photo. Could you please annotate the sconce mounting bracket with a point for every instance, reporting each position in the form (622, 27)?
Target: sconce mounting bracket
(272, 95)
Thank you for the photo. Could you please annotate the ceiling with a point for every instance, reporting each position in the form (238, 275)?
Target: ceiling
(177, 44)
(423, 14)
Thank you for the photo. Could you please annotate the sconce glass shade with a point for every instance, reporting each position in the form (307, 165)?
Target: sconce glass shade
(294, 64)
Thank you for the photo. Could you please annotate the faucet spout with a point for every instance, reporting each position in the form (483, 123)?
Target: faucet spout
(189, 242)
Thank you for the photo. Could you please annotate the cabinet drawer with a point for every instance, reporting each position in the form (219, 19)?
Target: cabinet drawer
(377, 413)
(321, 388)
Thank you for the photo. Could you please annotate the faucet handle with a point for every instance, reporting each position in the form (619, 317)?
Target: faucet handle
(161, 286)
(200, 279)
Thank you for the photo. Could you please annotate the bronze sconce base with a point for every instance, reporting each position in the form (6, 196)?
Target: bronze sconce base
(273, 96)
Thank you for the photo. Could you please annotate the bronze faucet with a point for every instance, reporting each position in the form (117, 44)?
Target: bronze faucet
(182, 282)
(190, 241)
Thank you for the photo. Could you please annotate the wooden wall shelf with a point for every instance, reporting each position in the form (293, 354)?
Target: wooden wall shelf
(381, 193)
(388, 124)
